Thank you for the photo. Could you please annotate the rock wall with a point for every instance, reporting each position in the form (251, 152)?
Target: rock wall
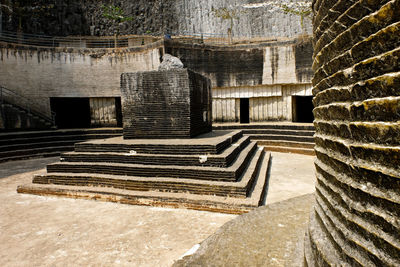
(356, 221)
(72, 17)
(40, 73)
(276, 62)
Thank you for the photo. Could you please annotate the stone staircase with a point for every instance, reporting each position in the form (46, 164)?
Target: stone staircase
(27, 144)
(220, 171)
(17, 112)
(280, 137)
(16, 118)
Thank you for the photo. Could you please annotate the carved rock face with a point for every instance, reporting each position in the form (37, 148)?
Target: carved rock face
(356, 221)
(170, 62)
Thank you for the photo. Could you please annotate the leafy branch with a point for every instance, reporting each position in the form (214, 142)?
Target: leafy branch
(302, 9)
(116, 16)
(225, 13)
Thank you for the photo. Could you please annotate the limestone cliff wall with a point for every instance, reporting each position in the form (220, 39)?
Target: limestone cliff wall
(72, 17)
(356, 87)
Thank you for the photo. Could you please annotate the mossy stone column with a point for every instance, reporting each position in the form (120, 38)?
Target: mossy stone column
(356, 88)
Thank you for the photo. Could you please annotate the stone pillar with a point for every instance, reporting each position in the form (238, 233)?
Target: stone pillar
(172, 103)
(356, 88)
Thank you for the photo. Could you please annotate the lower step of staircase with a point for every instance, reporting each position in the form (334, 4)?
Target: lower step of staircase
(276, 137)
(34, 153)
(283, 149)
(288, 146)
(206, 202)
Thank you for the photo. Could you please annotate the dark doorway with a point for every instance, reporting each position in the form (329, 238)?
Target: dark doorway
(71, 112)
(244, 110)
(302, 109)
(118, 111)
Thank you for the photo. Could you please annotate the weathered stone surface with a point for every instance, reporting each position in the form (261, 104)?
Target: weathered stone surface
(173, 103)
(356, 219)
(170, 62)
(264, 237)
(84, 17)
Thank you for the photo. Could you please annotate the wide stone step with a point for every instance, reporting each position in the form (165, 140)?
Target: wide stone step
(305, 139)
(62, 142)
(224, 159)
(78, 138)
(37, 152)
(231, 173)
(306, 127)
(279, 132)
(35, 155)
(62, 132)
(163, 184)
(210, 143)
(284, 149)
(284, 143)
(164, 199)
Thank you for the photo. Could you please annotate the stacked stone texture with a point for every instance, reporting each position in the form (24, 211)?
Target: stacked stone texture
(173, 103)
(356, 219)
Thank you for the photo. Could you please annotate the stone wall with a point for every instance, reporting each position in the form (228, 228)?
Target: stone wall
(274, 62)
(356, 220)
(267, 102)
(40, 73)
(72, 17)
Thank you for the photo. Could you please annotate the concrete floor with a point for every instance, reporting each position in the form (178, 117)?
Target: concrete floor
(46, 231)
(292, 175)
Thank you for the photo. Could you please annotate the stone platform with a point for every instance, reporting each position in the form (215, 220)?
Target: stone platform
(219, 171)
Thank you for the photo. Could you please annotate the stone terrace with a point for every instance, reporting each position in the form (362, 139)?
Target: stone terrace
(218, 171)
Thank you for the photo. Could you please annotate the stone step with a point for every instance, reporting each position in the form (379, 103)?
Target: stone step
(27, 144)
(231, 173)
(306, 126)
(284, 143)
(41, 139)
(162, 184)
(283, 149)
(20, 147)
(37, 152)
(210, 143)
(305, 139)
(279, 132)
(164, 199)
(224, 159)
(61, 132)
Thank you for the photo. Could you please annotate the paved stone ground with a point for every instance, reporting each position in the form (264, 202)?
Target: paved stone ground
(291, 175)
(45, 231)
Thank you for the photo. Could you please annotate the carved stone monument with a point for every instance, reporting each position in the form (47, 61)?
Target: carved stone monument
(173, 103)
(168, 155)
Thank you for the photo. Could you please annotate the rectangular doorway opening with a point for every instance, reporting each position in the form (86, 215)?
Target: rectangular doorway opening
(118, 111)
(302, 108)
(244, 110)
(71, 112)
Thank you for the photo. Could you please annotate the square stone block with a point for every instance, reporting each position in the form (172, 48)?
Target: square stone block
(165, 104)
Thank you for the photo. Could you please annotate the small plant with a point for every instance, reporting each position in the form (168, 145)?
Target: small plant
(227, 14)
(300, 8)
(116, 16)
